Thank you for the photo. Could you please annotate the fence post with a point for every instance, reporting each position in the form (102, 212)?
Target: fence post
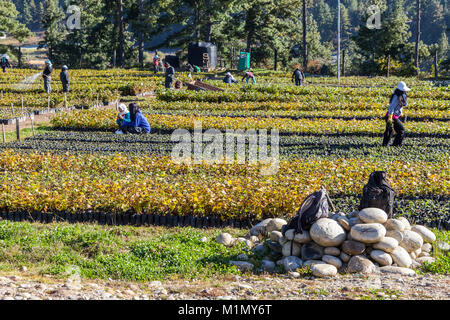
(3, 130)
(22, 104)
(65, 100)
(12, 109)
(32, 124)
(17, 129)
(97, 100)
(48, 103)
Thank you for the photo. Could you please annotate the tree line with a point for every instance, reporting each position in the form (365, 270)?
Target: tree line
(278, 33)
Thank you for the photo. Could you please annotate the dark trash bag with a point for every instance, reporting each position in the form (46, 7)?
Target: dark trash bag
(377, 193)
(314, 207)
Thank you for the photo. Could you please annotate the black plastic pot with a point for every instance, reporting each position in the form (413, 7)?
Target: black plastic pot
(163, 220)
(144, 219)
(151, 219)
(157, 218)
(138, 219)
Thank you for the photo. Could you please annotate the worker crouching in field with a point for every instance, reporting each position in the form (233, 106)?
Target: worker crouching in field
(229, 78)
(64, 77)
(397, 102)
(47, 75)
(249, 75)
(138, 124)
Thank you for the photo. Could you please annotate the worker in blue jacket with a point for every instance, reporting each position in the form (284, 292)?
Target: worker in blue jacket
(138, 123)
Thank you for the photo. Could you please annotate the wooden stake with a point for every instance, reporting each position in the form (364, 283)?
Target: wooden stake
(97, 99)
(22, 104)
(3, 130)
(32, 124)
(65, 100)
(17, 129)
(12, 109)
(48, 103)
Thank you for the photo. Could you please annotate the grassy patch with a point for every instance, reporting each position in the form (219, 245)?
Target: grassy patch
(442, 262)
(126, 253)
(11, 136)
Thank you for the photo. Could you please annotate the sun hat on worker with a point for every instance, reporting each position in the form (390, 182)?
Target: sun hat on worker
(402, 86)
(228, 74)
(65, 67)
(122, 108)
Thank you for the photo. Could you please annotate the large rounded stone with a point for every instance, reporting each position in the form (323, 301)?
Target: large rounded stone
(335, 261)
(282, 240)
(311, 251)
(426, 234)
(383, 258)
(303, 237)
(422, 260)
(310, 263)
(405, 223)
(411, 241)
(289, 234)
(427, 247)
(275, 246)
(291, 248)
(275, 235)
(387, 244)
(353, 248)
(360, 264)
(368, 233)
(344, 223)
(291, 263)
(268, 265)
(225, 239)
(394, 224)
(275, 225)
(332, 251)
(327, 233)
(344, 257)
(260, 228)
(324, 270)
(397, 235)
(401, 257)
(243, 265)
(373, 215)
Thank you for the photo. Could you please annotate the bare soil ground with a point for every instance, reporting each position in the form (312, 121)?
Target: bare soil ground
(285, 287)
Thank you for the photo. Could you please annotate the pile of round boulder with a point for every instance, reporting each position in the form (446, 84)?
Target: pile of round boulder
(363, 242)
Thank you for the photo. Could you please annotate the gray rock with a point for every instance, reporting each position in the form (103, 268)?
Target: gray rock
(397, 235)
(405, 223)
(427, 247)
(411, 241)
(310, 263)
(394, 224)
(243, 265)
(282, 240)
(401, 257)
(443, 246)
(242, 257)
(254, 239)
(275, 225)
(268, 265)
(381, 257)
(422, 260)
(327, 232)
(373, 215)
(368, 233)
(344, 223)
(261, 249)
(387, 244)
(289, 234)
(424, 254)
(204, 239)
(291, 248)
(344, 257)
(292, 263)
(397, 270)
(311, 251)
(353, 214)
(260, 228)
(426, 234)
(353, 248)
(335, 261)
(225, 239)
(332, 251)
(355, 221)
(275, 235)
(303, 237)
(360, 264)
(275, 246)
(324, 270)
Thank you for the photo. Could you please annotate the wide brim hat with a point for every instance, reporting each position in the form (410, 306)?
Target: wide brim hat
(402, 86)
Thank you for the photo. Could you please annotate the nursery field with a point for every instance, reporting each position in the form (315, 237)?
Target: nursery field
(329, 135)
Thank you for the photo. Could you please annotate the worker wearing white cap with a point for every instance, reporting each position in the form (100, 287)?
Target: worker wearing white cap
(229, 78)
(397, 102)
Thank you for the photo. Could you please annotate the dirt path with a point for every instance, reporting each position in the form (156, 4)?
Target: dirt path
(284, 287)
